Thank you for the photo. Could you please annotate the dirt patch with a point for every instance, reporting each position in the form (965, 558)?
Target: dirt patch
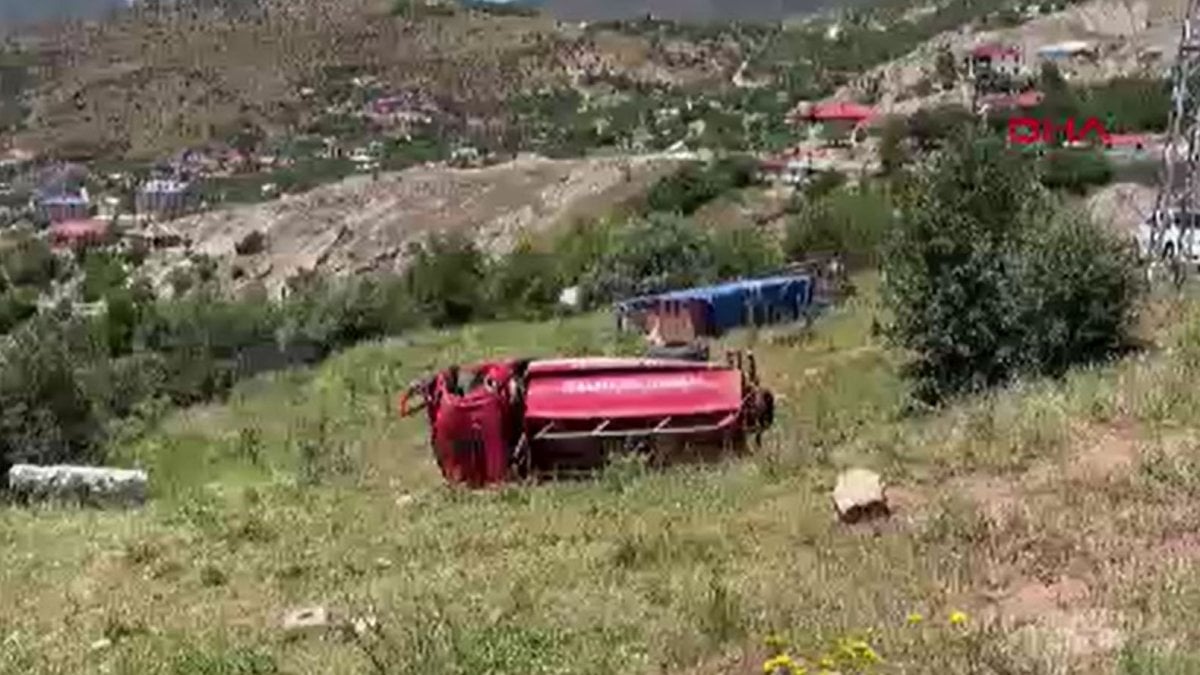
(1121, 206)
(1057, 617)
(1104, 453)
(1181, 548)
(1033, 599)
(998, 499)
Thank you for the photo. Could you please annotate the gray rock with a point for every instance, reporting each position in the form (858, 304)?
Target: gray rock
(859, 495)
(84, 484)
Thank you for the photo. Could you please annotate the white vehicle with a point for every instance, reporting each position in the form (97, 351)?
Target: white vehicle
(1171, 242)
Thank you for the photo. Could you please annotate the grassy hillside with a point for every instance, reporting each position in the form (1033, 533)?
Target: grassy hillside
(1056, 517)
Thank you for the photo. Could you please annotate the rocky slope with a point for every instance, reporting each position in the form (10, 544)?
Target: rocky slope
(1131, 37)
(363, 224)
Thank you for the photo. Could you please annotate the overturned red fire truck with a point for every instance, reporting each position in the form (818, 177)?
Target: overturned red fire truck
(517, 419)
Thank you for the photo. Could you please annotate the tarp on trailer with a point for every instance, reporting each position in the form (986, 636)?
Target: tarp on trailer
(630, 390)
(737, 303)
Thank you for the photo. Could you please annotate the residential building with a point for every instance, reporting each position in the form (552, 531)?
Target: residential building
(1066, 51)
(166, 198)
(405, 112)
(995, 59)
(79, 233)
(58, 207)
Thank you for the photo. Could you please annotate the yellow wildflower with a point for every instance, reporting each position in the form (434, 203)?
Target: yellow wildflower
(776, 644)
(864, 652)
(826, 663)
(958, 618)
(782, 664)
(914, 618)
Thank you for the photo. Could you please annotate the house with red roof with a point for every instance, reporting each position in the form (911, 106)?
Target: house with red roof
(832, 111)
(80, 233)
(846, 115)
(995, 59)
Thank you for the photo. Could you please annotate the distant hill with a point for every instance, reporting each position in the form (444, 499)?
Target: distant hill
(691, 10)
(29, 11)
(16, 12)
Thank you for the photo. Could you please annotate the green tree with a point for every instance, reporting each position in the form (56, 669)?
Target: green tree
(648, 255)
(930, 127)
(946, 68)
(744, 251)
(893, 154)
(29, 262)
(103, 273)
(447, 279)
(45, 414)
(526, 283)
(980, 263)
(1060, 102)
(849, 222)
(1075, 170)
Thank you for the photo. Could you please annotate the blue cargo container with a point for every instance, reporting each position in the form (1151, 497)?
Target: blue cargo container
(738, 303)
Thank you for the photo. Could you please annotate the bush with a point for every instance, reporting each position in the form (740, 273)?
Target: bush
(526, 283)
(849, 222)
(987, 282)
(251, 244)
(29, 262)
(1075, 170)
(45, 415)
(103, 273)
(929, 128)
(16, 305)
(446, 278)
(696, 184)
(744, 252)
(649, 255)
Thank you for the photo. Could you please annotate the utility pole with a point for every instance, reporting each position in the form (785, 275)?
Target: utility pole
(1181, 152)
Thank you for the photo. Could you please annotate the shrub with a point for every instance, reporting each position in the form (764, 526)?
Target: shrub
(16, 305)
(696, 184)
(987, 282)
(29, 262)
(648, 255)
(892, 151)
(525, 284)
(446, 279)
(103, 274)
(930, 127)
(1080, 296)
(743, 252)
(1075, 170)
(849, 222)
(45, 415)
(251, 244)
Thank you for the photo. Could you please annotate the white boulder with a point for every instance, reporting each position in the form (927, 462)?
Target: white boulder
(859, 495)
(86, 484)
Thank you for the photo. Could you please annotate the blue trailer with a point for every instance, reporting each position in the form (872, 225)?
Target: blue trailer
(717, 309)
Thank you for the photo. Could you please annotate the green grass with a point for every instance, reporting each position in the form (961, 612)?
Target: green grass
(306, 488)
